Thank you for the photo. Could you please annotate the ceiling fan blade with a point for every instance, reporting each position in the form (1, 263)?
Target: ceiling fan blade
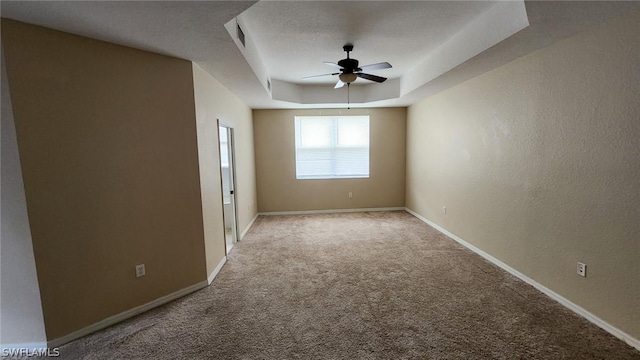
(339, 84)
(333, 64)
(314, 76)
(378, 66)
(375, 78)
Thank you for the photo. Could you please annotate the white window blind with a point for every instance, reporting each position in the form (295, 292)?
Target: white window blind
(332, 147)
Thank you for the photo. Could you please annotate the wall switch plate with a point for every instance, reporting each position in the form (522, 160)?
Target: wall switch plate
(444, 209)
(350, 195)
(140, 270)
(582, 269)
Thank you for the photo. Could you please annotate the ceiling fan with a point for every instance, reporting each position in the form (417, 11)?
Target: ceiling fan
(350, 71)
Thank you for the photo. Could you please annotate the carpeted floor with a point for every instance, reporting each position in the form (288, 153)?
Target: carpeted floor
(377, 285)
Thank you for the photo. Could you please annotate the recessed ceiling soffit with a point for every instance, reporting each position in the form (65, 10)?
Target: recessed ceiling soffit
(284, 41)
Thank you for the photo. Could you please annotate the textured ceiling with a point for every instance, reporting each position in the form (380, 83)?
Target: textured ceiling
(292, 38)
(287, 40)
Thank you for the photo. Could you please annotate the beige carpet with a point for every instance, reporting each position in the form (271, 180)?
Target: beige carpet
(355, 286)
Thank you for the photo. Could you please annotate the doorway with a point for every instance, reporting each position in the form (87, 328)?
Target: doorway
(227, 171)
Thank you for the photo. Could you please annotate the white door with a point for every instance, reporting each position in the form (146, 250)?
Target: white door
(228, 185)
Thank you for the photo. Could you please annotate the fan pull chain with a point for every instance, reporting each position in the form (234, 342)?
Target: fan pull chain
(348, 100)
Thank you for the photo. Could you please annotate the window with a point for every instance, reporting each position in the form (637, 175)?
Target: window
(332, 147)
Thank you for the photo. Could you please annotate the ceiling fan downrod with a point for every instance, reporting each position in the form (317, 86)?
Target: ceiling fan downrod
(348, 48)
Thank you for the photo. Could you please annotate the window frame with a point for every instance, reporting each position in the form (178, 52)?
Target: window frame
(334, 148)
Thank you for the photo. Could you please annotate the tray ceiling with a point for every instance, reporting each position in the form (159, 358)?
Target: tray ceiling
(432, 45)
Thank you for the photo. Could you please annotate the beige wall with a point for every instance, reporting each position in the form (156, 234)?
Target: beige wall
(107, 141)
(214, 102)
(538, 164)
(278, 189)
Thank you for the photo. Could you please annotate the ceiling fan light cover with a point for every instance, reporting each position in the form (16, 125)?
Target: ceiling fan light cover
(348, 78)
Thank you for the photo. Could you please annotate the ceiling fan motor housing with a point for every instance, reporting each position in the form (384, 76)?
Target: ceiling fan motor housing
(349, 65)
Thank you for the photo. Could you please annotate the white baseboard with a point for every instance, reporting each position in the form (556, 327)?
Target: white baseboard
(331, 211)
(215, 271)
(555, 296)
(125, 315)
(246, 229)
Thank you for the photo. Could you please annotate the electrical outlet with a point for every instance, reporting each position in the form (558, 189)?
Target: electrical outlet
(582, 269)
(350, 195)
(140, 270)
(444, 209)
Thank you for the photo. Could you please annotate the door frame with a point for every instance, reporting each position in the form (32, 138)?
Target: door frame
(232, 173)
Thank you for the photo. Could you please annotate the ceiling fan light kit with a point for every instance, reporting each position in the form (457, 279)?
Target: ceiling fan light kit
(348, 78)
